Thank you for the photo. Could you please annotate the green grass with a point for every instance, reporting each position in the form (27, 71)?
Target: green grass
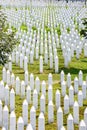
(74, 67)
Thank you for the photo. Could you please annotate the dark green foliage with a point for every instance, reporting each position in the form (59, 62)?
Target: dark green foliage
(83, 32)
(7, 41)
(47, 29)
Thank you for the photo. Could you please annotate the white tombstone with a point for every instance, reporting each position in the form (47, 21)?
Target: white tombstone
(17, 58)
(12, 121)
(20, 124)
(51, 61)
(2, 90)
(28, 95)
(56, 64)
(84, 89)
(70, 124)
(50, 80)
(29, 127)
(8, 77)
(0, 113)
(4, 74)
(69, 80)
(82, 125)
(80, 77)
(12, 100)
(50, 112)
(63, 88)
(85, 116)
(76, 112)
(32, 81)
(42, 103)
(71, 96)
(66, 104)
(12, 80)
(5, 117)
(37, 84)
(26, 78)
(6, 90)
(62, 76)
(58, 99)
(85, 50)
(80, 98)
(17, 89)
(21, 60)
(37, 54)
(59, 118)
(35, 99)
(41, 122)
(10, 65)
(25, 63)
(43, 88)
(22, 89)
(33, 117)
(25, 112)
(41, 64)
(31, 57)
(50, 93)
(76, 84)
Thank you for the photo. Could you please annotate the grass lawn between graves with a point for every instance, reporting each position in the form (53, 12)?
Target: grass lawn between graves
(74, 67)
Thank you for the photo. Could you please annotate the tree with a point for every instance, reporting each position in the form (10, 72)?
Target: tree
(7, 40)
(83, 32)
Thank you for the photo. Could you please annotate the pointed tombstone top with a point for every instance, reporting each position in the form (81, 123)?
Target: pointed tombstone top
(29, 127)
(84, 83)
(71, 87)
(82, 123)
(70, 117)
(5, 108)
(25, 103)
(26, 72)
(85, 112)
(4, 69)
(12, 91)
(62, 72)
(12, 114)
(66, 97)
(12, 74)
(20, 120)
(41, 116)
(76, 79)
(6, 87)
(32, 109)
(37, 78)
(17, 78)
(22, 82)
(28, 87)
(76, 104)
(69, 74)
(2, 83)
(57, 91)
(35, 91)
(43, 82)
(42, 96)
(80, 72)
(31, 75)
(41, 57)
(50, 103)
(59, 109)
(62, 128)
(50, 75)
(8, 72)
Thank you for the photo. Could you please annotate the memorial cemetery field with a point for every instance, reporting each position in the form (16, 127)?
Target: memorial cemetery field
(44, 84)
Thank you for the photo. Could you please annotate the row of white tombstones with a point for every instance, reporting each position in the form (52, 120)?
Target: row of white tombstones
(21, 89)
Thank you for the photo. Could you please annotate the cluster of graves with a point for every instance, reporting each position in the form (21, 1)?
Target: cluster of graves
(42, 31)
